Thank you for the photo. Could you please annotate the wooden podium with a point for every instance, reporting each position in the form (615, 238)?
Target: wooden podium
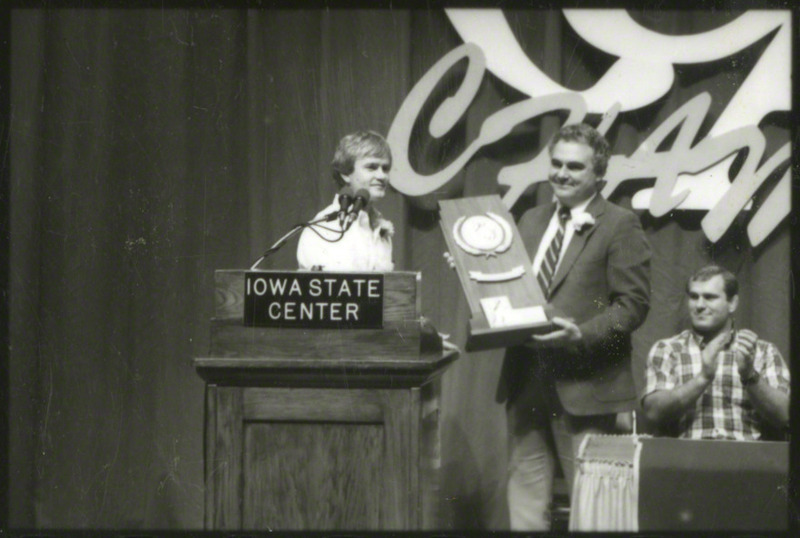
(322, 429)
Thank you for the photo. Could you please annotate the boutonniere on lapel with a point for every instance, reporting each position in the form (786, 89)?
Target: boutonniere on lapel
(385, 229)
(582, 221)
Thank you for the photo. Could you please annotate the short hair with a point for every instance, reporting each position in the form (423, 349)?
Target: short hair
(356, 146)
(731, 285)
(580, 132)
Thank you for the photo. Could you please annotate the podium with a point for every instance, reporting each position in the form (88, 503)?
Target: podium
(322, 429)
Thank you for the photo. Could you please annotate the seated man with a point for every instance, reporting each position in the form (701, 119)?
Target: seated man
(714, 381)
(364, 242)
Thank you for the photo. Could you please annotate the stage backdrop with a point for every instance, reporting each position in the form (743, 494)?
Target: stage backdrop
(151, 147)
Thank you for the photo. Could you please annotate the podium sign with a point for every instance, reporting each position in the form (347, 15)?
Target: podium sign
(313, 300)
(505, 300)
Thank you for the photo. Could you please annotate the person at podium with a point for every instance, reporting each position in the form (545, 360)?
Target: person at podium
(359, 239)
(715, 381)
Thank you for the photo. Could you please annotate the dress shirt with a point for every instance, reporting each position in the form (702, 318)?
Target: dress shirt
(550, 232)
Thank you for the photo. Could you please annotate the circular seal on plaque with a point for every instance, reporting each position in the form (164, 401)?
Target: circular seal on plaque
(487, 234)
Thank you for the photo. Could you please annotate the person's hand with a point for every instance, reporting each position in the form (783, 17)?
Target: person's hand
(710, 354)
(568, 332)
(744, 351)
(451, 261)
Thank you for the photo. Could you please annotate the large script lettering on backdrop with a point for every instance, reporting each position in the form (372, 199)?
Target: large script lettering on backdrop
(689, 175)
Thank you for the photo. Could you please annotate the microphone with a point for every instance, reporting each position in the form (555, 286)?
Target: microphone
(360, 202)
(345, 197)
(345, 201)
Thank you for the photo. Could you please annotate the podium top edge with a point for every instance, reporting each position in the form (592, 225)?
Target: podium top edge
(305, 271)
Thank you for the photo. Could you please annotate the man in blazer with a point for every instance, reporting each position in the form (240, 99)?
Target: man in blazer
(592, 260)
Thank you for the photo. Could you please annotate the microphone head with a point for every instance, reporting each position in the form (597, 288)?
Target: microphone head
(363, 194)
(345, 200)
(359, 202)
(346, 195)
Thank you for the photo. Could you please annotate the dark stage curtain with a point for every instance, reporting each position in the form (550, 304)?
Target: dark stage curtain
(129, 187)
(151, 147)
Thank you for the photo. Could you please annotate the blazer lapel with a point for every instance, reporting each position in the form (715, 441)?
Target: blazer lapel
(596, 208)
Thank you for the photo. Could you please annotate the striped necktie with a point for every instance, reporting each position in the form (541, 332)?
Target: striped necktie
(550, 260)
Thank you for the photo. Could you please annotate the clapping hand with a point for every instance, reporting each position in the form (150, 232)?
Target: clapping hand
(710, 354)
(744, 349)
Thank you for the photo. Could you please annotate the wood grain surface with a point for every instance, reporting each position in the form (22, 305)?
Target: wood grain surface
(375, 371)
(210, 457)
(522, 292)
(322, 429)
(227, 461)
(312, 476)
(400, 340)
(326, 458)
(303, 404)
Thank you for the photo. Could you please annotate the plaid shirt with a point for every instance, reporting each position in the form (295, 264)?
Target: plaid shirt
(723, 411)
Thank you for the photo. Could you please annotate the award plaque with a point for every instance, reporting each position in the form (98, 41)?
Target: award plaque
(505, 300)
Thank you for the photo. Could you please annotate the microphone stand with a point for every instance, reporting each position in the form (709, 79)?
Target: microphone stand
(297, 227)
